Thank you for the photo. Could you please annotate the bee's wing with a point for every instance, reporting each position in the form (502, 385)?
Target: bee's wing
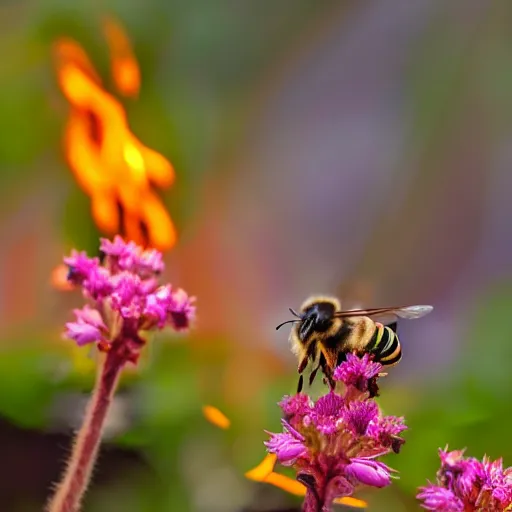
(412, 312)
(409, 312)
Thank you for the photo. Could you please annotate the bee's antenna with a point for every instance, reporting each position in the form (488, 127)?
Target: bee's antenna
(294, 313)
(287, 322)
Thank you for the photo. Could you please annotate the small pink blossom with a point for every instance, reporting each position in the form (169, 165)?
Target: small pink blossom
(357, 372)
(386, 429)
(359, 414)
(327, 413)
(125, 298)
(128, 256)
(116, 247)
(369, 472)
(88, 328)
(288, 445)
(80, 266)
(465, 483)
(439, 499)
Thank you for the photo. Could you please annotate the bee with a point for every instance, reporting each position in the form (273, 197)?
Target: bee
(324, 334)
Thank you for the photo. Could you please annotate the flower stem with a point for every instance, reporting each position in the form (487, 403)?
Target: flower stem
(311, 502)
(70, 491)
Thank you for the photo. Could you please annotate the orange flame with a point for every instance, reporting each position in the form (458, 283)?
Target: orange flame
(124, 66)
(110, 164)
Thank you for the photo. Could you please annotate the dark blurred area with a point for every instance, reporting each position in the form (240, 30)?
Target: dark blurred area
(360, 149)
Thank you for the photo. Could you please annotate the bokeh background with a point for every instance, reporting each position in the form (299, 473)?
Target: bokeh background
(361, 148)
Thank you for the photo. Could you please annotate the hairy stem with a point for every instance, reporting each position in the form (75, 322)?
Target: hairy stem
(71, 489)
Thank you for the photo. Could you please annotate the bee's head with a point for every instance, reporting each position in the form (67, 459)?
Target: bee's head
(316, 317)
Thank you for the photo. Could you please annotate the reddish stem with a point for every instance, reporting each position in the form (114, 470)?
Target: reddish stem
(70, 491)
(311, 502)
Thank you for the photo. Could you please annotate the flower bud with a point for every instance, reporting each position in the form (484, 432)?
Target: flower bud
(287, 447)
(369, 472)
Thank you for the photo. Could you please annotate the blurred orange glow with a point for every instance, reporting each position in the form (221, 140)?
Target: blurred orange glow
(59, 278)
(213, 415)
(125, 68)
(264, 472)
(263, 469)
(351, 502)
(286, 484)
(110, 164)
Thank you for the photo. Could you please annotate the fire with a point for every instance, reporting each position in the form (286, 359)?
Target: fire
(110, 164)
(124, 67)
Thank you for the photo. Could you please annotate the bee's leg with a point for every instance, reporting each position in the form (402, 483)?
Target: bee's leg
(300, 383)
(303, 363)
(341, 358)
(373, 387)
(302, 366)
(328, 380)
(313, 374)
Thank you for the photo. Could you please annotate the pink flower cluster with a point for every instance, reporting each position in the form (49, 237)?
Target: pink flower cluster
(125, 298)
(466, 484)
(333, 443)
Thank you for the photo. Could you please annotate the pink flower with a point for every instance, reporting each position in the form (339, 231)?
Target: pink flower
(118, 247)
(369, 472)
(166, 306)
(359, 414)
(439, 499)
(386, 430)
(88, 328)
(465, 483)
(128, 256)
(126, 298)
(357, 371)
(327, 413)
(80, 266)
(288, 445)
(329, 443)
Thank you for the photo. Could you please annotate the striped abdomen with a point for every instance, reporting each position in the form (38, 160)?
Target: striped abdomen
(385, 345)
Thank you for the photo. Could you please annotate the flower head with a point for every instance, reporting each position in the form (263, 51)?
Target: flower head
(80, 266)
(288, 445)
(465, 483)
(439, 498)
(369, 472)
(327, 413)
(125, 298)
(129, 256)
(358, 372)
(333, 443)
(88, 328)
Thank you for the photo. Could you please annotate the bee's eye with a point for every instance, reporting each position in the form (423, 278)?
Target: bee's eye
(324, 310)
(306, 327)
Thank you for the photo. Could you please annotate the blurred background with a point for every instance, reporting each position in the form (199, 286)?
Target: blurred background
(356, 148)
